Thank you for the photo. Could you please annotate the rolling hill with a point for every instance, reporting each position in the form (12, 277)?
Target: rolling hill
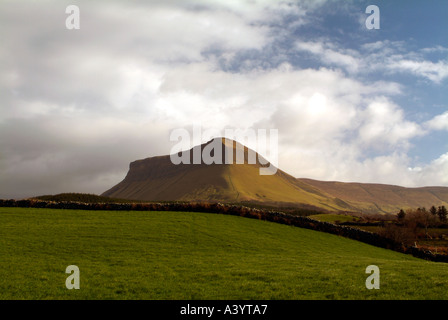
(370, 197)
(239, 180)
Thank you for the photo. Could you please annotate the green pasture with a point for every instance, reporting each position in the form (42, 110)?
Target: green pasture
(180, 255)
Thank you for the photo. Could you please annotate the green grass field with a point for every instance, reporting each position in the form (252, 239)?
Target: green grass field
(177, 255)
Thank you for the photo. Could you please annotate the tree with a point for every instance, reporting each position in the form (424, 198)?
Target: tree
(442, 213)
(401, 215)
(420, 218)
(433, 210)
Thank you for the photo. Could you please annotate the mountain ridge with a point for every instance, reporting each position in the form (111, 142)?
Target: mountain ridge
(239, 180)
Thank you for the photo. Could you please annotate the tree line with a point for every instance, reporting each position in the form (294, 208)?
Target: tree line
(440, 212)
(414, 224)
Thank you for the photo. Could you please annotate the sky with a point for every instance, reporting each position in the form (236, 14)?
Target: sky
(349, 103)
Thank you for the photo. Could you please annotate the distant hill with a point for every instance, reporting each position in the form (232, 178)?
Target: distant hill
(370, 197)
(158, 179)
(80, 197)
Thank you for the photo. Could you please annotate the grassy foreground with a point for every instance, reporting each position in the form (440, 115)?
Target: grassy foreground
(177, 255)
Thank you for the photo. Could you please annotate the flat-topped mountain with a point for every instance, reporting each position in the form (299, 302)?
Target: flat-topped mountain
(238, 179)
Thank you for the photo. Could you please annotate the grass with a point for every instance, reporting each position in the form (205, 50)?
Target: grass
(177, 255)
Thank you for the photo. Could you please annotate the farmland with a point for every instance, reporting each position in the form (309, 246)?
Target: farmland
(191, 255)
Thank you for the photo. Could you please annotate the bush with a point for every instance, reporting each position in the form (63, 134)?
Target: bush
(400, 234)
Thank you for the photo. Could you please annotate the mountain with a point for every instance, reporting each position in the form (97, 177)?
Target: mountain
(158, 179)
(370, 197)
(238, 179)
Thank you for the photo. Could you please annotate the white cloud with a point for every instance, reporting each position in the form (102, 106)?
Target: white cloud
(389, 56)
(439, 122)
(384, 125)
(434, 173)
(434, 71)
(437, 48)
(385, 47)
(331, 56)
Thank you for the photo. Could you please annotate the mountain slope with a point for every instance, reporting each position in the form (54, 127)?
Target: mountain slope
(158, 179)
(238, 179)
(370, 197)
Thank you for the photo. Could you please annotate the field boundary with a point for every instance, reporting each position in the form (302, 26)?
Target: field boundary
(242, 211)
